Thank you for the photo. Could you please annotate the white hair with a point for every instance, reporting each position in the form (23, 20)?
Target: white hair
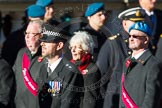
(39, 22)
(84, 39)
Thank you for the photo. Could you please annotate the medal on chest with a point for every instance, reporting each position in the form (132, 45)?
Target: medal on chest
(54, 87)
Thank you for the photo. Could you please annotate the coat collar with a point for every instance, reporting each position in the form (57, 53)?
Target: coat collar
(142, 60)
(144, 57)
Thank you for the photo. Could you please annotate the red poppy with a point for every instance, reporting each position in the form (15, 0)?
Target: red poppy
(84, 72)
(128, 63)
(40, 59)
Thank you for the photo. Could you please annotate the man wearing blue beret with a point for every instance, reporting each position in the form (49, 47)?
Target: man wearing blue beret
(49, 10)
(96, 16)
(113, 54)
(141, 78)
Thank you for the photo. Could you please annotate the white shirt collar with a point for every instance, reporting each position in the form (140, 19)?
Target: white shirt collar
(149, 13)
(139, 54)
(55, 64)
(33, 52)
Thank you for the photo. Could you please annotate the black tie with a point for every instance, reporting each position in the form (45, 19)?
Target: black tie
(152, 18)
(132, 59)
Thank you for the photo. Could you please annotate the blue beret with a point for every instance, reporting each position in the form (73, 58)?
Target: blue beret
(141, 26)
(93, 8)
(44, 3)
(35, 11)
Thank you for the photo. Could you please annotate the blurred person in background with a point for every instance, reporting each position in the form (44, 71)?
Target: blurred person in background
(35, 12)
(96, 16)
(16, 39)
(2, 38)
(155, 16)
(49, 11)
(7, 25)
(82, 46)
(6, 84)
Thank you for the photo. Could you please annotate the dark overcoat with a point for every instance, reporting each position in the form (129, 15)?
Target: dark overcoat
(6, 83)
(24, 98)
(155, 45)
(143, 82)
(158, 34)
(110, 61)
(71, 87)
(92, 97)
(99, 38)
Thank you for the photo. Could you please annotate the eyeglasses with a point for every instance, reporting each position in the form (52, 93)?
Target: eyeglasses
(32, 34)
(137, 37)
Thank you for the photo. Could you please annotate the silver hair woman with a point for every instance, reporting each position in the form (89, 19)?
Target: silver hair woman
(81, 46)
(83, 40)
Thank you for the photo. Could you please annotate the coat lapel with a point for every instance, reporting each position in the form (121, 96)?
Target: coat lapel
(55, 73)
(144, 57)
(126, 65)
(142, 60)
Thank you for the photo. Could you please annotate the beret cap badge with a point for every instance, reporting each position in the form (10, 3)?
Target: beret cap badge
(138, 14)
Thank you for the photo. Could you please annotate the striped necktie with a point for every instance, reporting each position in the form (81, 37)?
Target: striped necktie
(49, 70)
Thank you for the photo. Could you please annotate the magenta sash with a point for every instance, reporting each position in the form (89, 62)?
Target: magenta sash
(29, 82)
(128, 102)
